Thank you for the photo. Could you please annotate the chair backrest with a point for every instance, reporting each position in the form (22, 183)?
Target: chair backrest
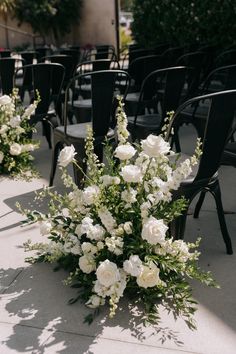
(7, 71)
(142, 66)
(171, 81)
(5, 53)
(222, 78)
(67, 61)
(228, 57)
(29, 56)
(93, 65)
(170, 56)
(47, 79)
(103, 90)
(218, 126)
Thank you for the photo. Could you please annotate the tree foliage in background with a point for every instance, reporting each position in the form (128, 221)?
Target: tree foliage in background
(45, 16)
(126, 5)
(184, 22)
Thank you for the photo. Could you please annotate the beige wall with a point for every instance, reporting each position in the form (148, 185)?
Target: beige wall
(97, 26)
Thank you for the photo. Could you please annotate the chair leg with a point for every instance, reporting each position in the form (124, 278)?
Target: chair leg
(177, 226)
(199, 204)
(220, 211)
(55, 154)
(47, 132)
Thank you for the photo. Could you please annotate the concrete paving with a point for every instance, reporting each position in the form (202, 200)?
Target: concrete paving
(36, 318)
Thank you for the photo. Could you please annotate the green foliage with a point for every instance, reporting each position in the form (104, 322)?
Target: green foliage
(47, 15)
(184, 22)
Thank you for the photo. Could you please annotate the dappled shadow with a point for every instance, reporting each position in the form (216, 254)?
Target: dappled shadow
(37, 300)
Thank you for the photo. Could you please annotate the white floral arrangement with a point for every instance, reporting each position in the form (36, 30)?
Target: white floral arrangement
(16, 144)
(113, 235)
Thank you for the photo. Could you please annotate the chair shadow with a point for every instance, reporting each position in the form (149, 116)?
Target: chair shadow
(40, 307)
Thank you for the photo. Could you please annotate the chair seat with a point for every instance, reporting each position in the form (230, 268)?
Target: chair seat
(79, 131)
(86, 103)
(148, 121)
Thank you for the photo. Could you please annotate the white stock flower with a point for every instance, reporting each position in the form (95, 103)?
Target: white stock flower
(128, 227)
(124, 152)
(133, 265)
(3, 129)
(15, 149)
(107, 273)
(110, 180)
(129, 195)
(90, 194)
(154, 231)
(131, 173)
(5, 100)
(45, 227)
(27, 147)
(155, 145)
(115, 245)
(66, 156)
(29, 111)
(149, 276)
(15, 121)
(180, 248)
(87, 263)
(107, 219)
(95, 301)
(1, 156)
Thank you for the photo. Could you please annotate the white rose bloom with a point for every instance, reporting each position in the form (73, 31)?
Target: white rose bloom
(155, 146)
(66, 155)
(29, 111)
(95, 301)
(15, 121)
(133, 266)
(149, 276)
(88, 247)
(154, 231)
(107, 273)
(115, 245)
(45, 227)
(90, 194)
(5, 100)
(15, 149)
(76, 249)
(4, 128)
(87, 264)
(1, 156)
(124, 152)
(131, 173)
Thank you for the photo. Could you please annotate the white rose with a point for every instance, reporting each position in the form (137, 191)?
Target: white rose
(155, 146)
(149, 276)
(15, 149)
(45, 227)
(154, 231)
(4, 128)
(107, 273)
(90, 194)
(133, 266)
(66, 155)
(1, 156)
(87, 264)
(15, 121)
(29, 111)
(110, 180)
(124, 152)
(131, 173)
(5, 100)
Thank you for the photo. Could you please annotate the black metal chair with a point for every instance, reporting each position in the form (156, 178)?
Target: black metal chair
(102, 119)
(220, 79)
(47, 80)
(150, 112)
(205, 179)
(7, 72)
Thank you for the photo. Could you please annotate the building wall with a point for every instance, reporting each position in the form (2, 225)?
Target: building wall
(97, 26)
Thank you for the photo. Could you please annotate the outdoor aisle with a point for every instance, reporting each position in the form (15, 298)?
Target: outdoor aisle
(34, 314)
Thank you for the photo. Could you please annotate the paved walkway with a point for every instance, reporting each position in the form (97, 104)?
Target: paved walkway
(34, 314)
